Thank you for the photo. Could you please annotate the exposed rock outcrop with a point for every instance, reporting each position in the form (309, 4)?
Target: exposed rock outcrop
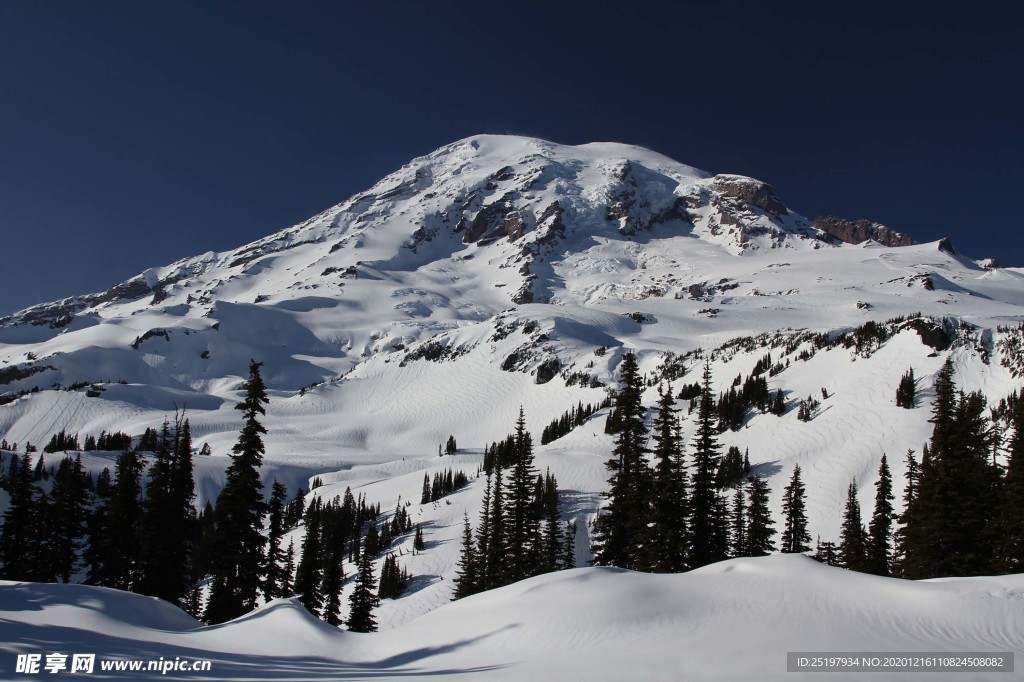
(857, 231)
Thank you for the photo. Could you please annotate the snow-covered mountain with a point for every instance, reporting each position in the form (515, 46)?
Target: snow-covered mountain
(505, 271)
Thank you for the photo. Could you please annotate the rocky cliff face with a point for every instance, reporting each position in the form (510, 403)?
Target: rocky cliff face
(857, 231)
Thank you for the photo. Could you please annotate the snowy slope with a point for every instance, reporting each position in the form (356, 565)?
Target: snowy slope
(433, 303)
(734, 620)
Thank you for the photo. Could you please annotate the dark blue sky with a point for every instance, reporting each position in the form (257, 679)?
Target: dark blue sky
(135, 133)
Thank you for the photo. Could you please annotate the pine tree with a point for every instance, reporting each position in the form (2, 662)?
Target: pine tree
(739, 523)
(760, 527)
(668, 535)
(274, 586)
(495, 563)
(425, 496)
(906, 391)
(417, 542)
(363, 600)
(167, 517)
(334, 578)
(520, 516)
(952, 525)
(1012, 500)
(825, 552)
(240, 508)
(68, 514)
(569, 558)
(620, 530)
(309, 574)
(466, 578)
(708, 514)
(878, 550)
(118, 551)
(552, 533)
(16, 536)
(853, 537)
(795, 537)
(905, 535)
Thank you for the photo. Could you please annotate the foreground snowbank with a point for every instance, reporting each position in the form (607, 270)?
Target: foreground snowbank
(733, 620)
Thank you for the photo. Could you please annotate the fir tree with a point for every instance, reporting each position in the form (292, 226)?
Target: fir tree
(17, 534)
(425, 495)
(739, 523)
(906, 391)
(760, 527)
(363, 600)
(68, 499)
(466, 578)
(878, 550)
(951, 527)
(795, 537)
(708, 515)
(118, 554)
(1012, 500)
(417, 542)
(333, 580)
(276, 581)
(240, 508)
(552, 536)
(167, 517)
(569, 557)
(853, 537)
(521, 519)
(668, 541)
(309, 574)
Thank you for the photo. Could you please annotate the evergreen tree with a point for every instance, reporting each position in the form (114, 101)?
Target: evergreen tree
(1012, 500)
(778, 407)
(825, 552)
(363, 600)
(905, 534)
(495, 562)
(425, 496)
(309, 574)
(760, 527)
(167, 517)
(68, 500)
(708, 514)
(878, 550)
(952, 525)
(276, 582)
(620, 530)
(552, 536)
(334, 579)
(18, 534)
(795, 537)
(466, 578)
(417, 542)
(118, 552)
(853, 537)
(569, 558)
(906, 391)
(739, 523)
(520, 516)
(668, 535)
(483, 540)
(240, 508)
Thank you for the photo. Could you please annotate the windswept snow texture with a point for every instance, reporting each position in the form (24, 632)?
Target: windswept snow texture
(731, 621)
(438, 301)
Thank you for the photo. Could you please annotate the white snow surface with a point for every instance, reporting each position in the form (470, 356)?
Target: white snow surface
(641, 253)
(730, 621)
